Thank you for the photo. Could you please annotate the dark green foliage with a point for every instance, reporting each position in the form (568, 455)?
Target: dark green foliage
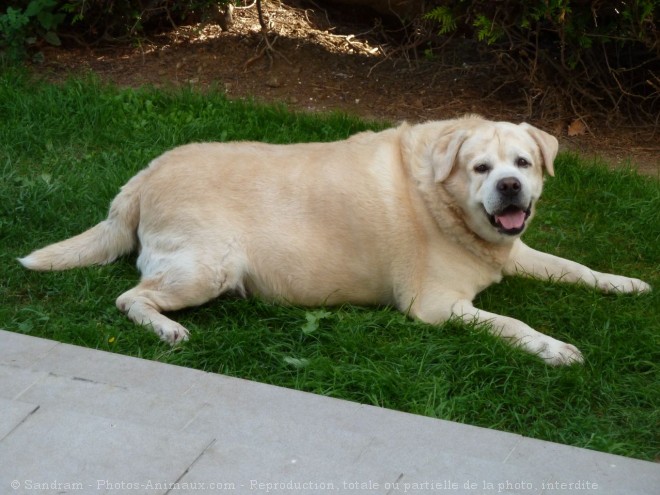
(591, 55)
(25, 23)
(21, 27)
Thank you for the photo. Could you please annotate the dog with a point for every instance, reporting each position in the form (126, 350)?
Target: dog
(420, 217)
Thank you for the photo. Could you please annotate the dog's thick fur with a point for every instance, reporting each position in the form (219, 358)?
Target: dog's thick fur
(421, 217)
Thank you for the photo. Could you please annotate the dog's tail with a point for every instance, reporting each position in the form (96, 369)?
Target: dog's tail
(103, 243)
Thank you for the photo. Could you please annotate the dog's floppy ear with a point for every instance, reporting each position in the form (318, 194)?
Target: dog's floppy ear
(548, 145)
(431, 149)
(445, 153)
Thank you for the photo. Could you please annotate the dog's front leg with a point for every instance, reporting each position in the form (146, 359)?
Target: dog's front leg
(552, 351)
(437, 310)
(529, 262)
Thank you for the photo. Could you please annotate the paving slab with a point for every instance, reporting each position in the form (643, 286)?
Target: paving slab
(75, 420)
(12, 414)
(248, 412)
(394, 470)
(111, 401)
(15, 381)
(119, 370)
(57, 451)
(614, 474)
(19, 350)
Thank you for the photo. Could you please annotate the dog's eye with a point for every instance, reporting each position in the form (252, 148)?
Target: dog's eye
(482, 168)
(522, 163)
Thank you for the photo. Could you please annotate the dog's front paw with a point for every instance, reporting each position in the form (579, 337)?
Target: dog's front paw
(171, 332)
(557, 353)
(619, 284)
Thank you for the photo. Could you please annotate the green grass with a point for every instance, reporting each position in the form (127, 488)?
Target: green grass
(65, 150)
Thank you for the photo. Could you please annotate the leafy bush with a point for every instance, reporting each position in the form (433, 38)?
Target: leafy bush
(577, 56)
(23, 26)
(20, 28)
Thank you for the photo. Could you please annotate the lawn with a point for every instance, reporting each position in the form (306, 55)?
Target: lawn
(66, 149)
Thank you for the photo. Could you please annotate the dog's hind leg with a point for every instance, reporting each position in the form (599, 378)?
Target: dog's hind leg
(143, 305)
(171, 289)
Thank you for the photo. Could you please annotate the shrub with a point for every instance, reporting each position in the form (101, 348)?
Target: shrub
(577, 56)
(20, 28)
(23, 26)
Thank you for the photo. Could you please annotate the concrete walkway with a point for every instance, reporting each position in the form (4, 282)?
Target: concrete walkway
(75, 420)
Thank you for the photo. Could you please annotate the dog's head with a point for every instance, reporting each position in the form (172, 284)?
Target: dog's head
(493, 171)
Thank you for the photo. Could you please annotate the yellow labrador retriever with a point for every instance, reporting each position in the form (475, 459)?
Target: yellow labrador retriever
(421, 217)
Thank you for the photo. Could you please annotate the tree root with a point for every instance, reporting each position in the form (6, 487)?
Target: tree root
(269, 46)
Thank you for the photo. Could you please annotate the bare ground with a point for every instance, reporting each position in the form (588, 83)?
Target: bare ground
(322, 64)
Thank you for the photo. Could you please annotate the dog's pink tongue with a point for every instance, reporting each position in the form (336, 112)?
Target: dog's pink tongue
(511, 219)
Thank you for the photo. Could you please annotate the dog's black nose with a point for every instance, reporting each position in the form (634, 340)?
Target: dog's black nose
(509, 186)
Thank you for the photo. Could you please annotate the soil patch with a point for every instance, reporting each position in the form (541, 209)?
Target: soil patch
(324, 63)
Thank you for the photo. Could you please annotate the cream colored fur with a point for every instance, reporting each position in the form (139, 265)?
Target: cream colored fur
(400, 217)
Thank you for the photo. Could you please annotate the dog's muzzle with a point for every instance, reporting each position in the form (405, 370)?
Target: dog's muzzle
(510, 220)
(510, 216)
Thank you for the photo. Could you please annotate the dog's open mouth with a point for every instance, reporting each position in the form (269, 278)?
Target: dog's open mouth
(511, 220)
